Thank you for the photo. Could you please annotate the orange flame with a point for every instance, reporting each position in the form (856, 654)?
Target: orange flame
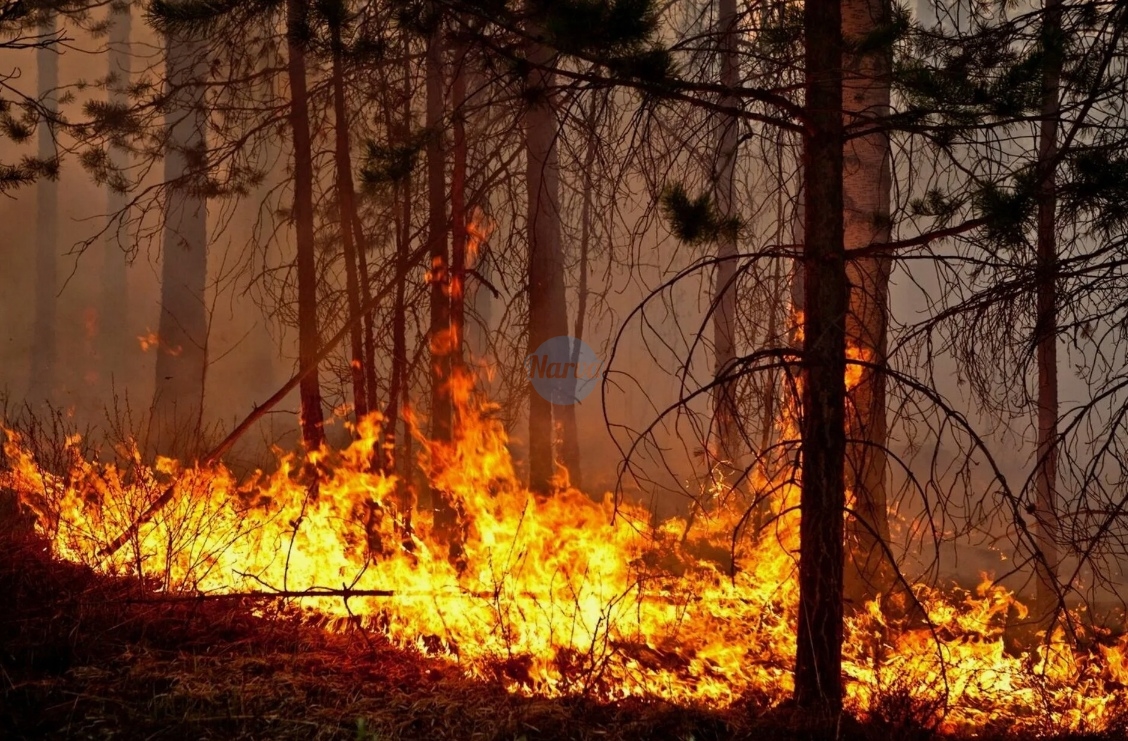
(558, 595)
(152, 341)
(478, 230)
(148, 341)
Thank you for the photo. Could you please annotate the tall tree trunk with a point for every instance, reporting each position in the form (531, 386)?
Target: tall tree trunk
(398, 381)
(44, 351)
(458, 217)
(547, 307)
(867, 182)
(369, 323)
(818, 662)
(346, 202)
(297, 31)
(117, 344)
(437, 240)
(799, 238)
(183, 329)
(768, 422)
(1046, 328)
(442, 504)
(575, 474)
(564, 415)
(780, 322)
(726, 420)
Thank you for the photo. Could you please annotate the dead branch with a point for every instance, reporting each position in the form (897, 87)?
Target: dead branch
(217, 453)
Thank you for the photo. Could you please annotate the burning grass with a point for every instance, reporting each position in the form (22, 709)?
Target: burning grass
(85, 655)
(563, 607)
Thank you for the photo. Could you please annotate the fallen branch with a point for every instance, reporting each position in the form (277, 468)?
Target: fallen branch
(217, 453)
(265, 594)
(318, 592)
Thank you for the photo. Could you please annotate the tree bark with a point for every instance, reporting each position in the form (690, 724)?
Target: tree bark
(369, 322)
(458, 217)
(867, 181)
(118, 345)
(183, 328)
(547, 302)
(446, 520)
(726, 419)
(575, 473)
(437, 239)
(1046, 603)
(44, 350)
(398, 381)
(818, 663)
(346, 202)
(398, 384)
(297, 32)
(564, 414)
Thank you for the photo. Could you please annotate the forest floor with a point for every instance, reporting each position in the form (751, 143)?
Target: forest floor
(88, 656)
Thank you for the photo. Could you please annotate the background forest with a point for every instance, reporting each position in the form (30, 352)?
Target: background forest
(854, 256)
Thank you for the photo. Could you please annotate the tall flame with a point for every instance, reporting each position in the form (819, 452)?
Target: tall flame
(557, 595)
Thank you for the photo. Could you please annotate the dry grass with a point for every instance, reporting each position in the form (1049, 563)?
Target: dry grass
(86, 656)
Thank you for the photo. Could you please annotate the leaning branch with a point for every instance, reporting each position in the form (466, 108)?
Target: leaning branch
(264, 594)
(878, 249)
(217, 453)
(345, 593)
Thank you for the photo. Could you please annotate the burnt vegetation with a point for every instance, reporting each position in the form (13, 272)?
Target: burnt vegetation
(275, 465)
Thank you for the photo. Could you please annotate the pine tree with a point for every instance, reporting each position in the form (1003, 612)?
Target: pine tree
(309, 340)
(818, 661)
(178, 398)
(44, 351)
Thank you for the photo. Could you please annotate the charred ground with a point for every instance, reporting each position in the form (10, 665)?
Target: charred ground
(92, 656)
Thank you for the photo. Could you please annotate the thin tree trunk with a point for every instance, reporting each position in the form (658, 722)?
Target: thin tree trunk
(312, 418)
(1046, 328)
(867, 182)
(547, 302)
(726, 420)
(818, 662)
(397, 391)
(575, 473)
(117, 343)
(446, 520)
(437, 239)
(44, 351)
(565, 414)
(346, 202)
(183, 329)
(458, 218)
(369, 320)
(398, 387)
(778, 330)
(798, 289)
(768, 421)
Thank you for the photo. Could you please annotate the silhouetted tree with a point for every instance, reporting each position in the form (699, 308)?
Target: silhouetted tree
(178, 398)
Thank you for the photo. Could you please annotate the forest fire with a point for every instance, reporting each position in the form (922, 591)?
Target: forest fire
(562, 594)
(704, 370)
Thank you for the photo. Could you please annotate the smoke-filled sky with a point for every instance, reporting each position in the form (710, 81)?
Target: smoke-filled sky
(251, 354)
